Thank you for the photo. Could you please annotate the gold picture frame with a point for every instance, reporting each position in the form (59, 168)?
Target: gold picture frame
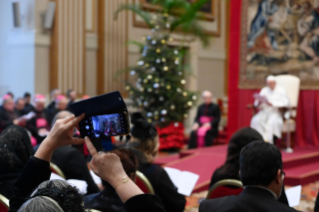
(209, 16)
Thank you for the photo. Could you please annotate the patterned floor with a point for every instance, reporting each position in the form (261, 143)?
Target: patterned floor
(308, 197)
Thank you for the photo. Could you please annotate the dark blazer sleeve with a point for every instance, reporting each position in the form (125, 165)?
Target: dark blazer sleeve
(34, 173)
(4, 121)
(216, 115)
(166, 190)
(144, 203)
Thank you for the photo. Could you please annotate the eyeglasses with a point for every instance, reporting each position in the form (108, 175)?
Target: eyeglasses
(283, 174)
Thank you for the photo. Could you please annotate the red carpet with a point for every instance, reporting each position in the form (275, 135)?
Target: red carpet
(301, 167)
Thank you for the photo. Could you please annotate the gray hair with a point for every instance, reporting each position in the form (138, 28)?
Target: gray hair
(206, 93)
(41, 203)
(46, 203)
(60, 115)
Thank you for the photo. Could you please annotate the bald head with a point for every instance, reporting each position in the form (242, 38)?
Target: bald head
(207, 97)
(60, 115)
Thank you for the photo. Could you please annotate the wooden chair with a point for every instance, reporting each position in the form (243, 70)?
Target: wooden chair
(56, 170)
(224, 188)
(291, 84)
(143, 183)
(4, 204)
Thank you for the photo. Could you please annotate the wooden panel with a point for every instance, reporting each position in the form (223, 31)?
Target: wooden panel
(112, 53)
(68, 46)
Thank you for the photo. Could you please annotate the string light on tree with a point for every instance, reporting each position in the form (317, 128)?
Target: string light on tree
(140, 63)
(133, 72)
(164, 112)
(183, 81)
(156, 85)
(165, 68)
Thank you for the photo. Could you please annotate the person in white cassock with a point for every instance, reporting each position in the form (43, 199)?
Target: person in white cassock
(268, 121)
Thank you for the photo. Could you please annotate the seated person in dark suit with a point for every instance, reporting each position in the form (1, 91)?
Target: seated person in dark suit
(15, 151)
(61, 104)
(71, 95)
(72, 162)
(145, 140)
(230, 170)
(28, 106)
(54, 95)
(262, 176)
(19, 107)
(7, 114)
(108, 200)
(205, 129)
(39, 125)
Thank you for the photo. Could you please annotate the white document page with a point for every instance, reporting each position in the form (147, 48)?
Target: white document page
(79, 184)
(96, 178)
(260, 98)
(293, 195)
(184, 181)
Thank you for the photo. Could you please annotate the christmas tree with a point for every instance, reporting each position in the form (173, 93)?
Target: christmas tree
(160, 89)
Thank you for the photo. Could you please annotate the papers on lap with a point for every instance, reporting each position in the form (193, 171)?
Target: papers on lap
(28, 116)
(184, 181)
(79, 184)
(293, 195)
(260, 98)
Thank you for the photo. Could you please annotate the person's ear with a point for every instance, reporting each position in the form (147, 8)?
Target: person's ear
(278, 177)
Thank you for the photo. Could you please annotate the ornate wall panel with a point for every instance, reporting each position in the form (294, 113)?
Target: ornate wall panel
(68, 46)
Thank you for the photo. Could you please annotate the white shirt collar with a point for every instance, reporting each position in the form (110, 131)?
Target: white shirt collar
(275, 196)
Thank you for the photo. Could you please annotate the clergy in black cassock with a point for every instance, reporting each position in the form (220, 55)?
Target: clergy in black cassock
(205, 129)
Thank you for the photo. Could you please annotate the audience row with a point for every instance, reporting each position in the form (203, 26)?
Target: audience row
(25, 170)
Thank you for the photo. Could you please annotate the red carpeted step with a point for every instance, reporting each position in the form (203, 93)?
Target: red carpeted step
(299, 157)
(301, 175)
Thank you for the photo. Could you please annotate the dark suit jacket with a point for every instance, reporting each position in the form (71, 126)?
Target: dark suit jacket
(6, 118)
(252, 199)
(163, 187)
(107, 200)
(73, 164)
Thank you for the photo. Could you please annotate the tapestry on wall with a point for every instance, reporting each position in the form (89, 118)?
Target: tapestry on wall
(279, 37)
